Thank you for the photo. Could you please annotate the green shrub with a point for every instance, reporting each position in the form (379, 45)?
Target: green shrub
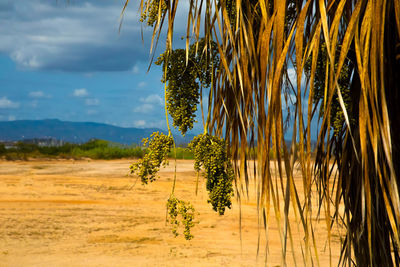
(181, 153)
(95, 149)
(3, 149)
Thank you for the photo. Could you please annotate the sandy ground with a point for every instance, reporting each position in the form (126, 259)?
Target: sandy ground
(92, 213)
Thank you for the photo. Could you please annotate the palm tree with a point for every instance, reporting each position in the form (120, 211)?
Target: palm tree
(259, 44)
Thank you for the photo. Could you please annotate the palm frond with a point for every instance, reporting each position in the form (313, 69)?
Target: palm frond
(358, 151)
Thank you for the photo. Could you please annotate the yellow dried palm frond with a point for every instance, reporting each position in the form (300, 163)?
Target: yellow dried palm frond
(351, 84)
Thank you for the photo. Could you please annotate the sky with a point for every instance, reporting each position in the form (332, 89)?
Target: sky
(67, 60)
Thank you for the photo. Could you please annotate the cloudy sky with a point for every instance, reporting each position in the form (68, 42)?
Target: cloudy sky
(66, 60)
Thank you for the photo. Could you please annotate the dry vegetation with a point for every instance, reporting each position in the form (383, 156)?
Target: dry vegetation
(91, 213)
(336, 60)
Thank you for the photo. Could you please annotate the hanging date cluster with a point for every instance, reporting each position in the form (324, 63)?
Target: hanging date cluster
(184, 78)
(156, 155)
(210, 153)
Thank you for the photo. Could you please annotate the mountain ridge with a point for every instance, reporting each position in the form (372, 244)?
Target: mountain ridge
(75, 132)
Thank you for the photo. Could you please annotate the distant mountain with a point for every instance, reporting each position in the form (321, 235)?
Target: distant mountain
(74, 132)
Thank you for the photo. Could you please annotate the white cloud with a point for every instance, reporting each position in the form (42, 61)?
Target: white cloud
(12, 118)
(34, 104)
(293, 77)
(152, 99)
(149, 124)
(149, 103)
(38, 94)
(92, 112)
(81, 36)
(89, 74)
(80, 92)
(142, 84)
(144, 108)
(156, 124)
(92, 102)
(6, 103)
(139, 123)
(135, 69)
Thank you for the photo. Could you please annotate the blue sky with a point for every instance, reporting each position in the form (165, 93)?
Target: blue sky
(68, 61)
